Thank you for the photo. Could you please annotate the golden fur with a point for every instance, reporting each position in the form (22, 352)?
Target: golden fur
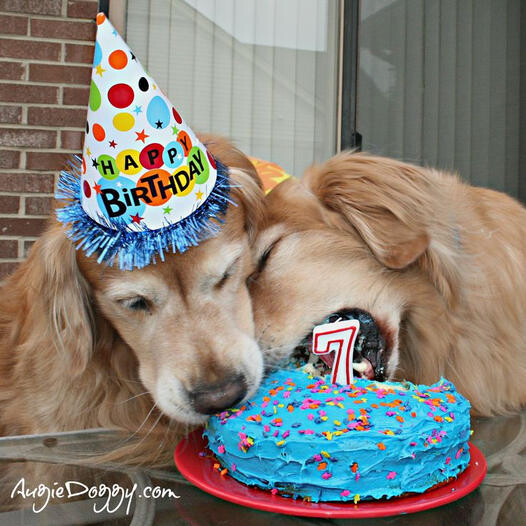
(438, 263)
(72, 356)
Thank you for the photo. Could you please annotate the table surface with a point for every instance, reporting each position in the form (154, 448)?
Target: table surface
(500, 500)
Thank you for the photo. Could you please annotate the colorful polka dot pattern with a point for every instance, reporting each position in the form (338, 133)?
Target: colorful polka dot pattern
(141, 163)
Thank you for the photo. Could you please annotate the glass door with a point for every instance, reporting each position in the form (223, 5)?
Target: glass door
(439, 84)
(262, 72)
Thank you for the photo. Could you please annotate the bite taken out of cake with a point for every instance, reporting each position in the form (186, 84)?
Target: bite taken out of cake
(303, 437)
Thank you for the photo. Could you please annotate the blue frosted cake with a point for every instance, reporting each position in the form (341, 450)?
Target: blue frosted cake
(303, 437)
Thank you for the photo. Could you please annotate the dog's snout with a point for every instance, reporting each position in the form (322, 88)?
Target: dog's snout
(216, 397)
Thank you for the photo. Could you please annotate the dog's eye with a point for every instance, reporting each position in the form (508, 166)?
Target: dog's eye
(223, 279)
(227, 274)
(265, 256)
(262, 261)
(137, 303)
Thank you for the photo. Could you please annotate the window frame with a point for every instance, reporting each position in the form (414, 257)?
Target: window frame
(349, 137)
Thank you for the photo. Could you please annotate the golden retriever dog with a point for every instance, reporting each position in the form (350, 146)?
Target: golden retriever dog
(433, 267)
(149, 351)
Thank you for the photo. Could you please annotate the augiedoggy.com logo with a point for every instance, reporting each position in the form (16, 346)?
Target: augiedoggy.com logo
(113, 497)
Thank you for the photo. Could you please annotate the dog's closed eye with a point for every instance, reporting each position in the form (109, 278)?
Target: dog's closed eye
(137, 303)
(227, 274)
(263, 260)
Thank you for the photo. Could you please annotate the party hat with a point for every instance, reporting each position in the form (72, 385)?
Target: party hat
(145, 184)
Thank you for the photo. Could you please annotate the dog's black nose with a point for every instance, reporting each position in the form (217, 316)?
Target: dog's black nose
(214, 398)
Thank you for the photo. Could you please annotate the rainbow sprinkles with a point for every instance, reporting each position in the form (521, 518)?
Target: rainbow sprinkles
(304, 437)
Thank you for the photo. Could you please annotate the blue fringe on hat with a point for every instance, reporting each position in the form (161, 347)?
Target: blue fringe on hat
(114, 239)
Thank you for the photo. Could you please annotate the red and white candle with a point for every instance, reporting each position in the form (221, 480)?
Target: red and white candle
(338, 337)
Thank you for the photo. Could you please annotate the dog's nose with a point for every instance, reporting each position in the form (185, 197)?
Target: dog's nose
(214, 398)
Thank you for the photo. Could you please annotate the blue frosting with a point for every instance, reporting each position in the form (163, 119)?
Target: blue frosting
(304, 437)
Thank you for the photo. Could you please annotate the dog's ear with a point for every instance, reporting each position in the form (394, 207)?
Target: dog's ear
(229, 155)
(382, 199)
(58, 298)
(247, 193)
(247, 189)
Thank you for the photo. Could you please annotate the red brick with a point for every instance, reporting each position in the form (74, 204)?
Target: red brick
(63, 29)
(63, 117)
(38, 206)
(28, 93)
(29, 49)
(76, 96)
(60, 74)
(12, 70)
(82, 9)
(27, 246)
(79, 53)
(9, 159)
(11, 114)
(28, 138)
(7, 268)
(71, 140)
(14, 226)
(38, 7)
(14, 25)
(9, 204)
(27, 183)
(46, 161)
(8, 248)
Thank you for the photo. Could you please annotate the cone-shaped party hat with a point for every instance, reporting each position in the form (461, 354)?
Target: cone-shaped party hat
(145, 184)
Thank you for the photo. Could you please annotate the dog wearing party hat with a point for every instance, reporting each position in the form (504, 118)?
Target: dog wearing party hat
(131, 311)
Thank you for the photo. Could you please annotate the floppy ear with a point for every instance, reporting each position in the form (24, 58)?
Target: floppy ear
(57, 299)
(247, 193)
(382, 199)
(229, 155)
(247, 189)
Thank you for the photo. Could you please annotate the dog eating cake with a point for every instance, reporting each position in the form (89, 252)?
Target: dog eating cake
(303, 437)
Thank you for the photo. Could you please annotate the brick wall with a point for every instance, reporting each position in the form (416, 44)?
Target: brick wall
(45, 56)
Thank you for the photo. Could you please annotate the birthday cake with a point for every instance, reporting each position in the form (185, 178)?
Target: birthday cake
(304, 437)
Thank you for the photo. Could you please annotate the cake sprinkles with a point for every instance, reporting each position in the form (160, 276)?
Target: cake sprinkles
(303, 437)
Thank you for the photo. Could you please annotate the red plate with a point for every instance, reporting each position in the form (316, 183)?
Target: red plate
(199, 471)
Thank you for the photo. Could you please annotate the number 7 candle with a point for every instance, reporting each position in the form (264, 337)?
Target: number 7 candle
(338, 337)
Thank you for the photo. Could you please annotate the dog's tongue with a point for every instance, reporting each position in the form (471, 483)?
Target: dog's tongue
(328, 359)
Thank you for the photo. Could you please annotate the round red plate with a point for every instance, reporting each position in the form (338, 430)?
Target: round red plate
(199, 471)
